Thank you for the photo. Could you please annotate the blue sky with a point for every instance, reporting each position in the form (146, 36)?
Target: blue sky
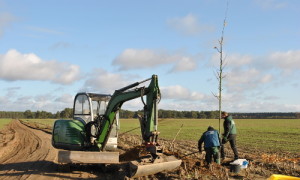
(50, 50)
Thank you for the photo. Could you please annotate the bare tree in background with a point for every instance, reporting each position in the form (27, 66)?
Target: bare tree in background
(219, 73)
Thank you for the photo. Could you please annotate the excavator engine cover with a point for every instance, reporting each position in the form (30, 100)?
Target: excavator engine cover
(68, 135)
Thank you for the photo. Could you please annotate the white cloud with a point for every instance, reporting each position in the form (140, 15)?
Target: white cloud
(146, 58)
(16, 66)
(253, 83)
(241, 73)
(43, 101)
(105, 82)
(261, 106)
(232, 60)
(245, 73)
(266, 78)
(246, 79)
(65, 99)
(239, 60)
(286, 61)
(180, 93)
(40, 102)
(189, 25)
(185, 64)
(6, 20)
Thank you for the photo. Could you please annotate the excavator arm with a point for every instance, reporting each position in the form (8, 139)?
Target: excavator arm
(148, 122)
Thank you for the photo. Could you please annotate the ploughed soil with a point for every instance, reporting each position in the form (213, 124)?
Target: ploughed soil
(26, 153)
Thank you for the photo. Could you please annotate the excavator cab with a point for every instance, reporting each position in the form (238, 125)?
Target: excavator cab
(90, 106)
(74, 135)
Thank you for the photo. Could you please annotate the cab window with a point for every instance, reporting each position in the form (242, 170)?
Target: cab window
(82, 105)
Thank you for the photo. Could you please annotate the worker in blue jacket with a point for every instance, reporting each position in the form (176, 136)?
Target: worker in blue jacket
(211, 145)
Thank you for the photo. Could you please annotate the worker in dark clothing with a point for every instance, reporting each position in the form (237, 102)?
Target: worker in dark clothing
(229, 135)
(211, 145)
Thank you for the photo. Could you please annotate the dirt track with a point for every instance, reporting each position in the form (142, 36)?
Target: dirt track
(27, 153)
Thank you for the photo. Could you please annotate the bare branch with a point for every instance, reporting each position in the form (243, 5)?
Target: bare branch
(216, 96)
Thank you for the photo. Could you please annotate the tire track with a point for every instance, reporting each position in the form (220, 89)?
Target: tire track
(27, 153)
(24, 154)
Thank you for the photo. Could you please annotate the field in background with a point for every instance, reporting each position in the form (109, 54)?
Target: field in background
(273, 135)
(265, 134)
(3, 122)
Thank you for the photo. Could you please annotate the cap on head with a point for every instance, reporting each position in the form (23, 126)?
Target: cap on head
(224, 114)
(210, 128)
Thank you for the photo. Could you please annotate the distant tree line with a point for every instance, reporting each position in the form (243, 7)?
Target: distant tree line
(174, 114)
(68, 113)
(267, 115)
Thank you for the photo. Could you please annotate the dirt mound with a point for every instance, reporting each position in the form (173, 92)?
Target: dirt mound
(26, 153)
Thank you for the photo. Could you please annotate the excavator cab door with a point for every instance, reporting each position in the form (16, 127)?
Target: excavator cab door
(82, 108)
(90, 106)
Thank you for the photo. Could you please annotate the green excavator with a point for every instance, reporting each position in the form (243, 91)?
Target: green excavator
(91, 137)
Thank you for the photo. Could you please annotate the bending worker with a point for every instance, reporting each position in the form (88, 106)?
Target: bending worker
(211, 145)
(229, 135)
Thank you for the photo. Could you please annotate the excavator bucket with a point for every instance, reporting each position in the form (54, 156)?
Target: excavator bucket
(144, 166)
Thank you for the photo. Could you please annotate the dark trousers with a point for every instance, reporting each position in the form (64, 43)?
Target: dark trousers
(212, 152)
(232, 141)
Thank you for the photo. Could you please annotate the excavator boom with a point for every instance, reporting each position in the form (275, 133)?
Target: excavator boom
(150, 119)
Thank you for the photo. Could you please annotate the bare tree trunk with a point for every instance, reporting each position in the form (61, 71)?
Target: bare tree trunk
(219, 74)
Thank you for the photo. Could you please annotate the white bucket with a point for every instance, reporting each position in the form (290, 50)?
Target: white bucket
(242, 162)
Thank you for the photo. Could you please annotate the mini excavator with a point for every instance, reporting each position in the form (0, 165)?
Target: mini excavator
(91, 137)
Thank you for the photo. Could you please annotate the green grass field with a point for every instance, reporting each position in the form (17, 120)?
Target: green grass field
(265, 134)
(4, 122)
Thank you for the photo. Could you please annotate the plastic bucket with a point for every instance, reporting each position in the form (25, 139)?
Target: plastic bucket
(235, 168)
